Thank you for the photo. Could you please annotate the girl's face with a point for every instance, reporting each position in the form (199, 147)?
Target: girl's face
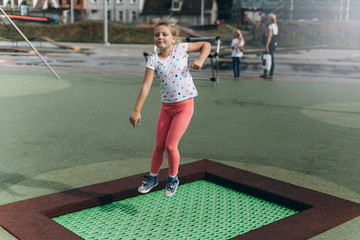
(163, 38)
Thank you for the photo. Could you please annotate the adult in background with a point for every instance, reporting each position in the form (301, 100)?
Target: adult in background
(270, 45)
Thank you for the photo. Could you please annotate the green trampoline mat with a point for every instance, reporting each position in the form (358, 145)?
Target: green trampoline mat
(198, 210)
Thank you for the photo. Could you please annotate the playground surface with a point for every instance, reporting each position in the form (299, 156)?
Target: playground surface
(303, 127)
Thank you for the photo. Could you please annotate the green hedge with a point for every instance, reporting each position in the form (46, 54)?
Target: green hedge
(333, 34)
(88, 31)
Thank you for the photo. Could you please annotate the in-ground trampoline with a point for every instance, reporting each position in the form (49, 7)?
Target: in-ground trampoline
(214, 201)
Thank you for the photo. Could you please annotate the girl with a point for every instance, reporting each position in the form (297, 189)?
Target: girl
(177, 92)
(270, 46)
(237, 46)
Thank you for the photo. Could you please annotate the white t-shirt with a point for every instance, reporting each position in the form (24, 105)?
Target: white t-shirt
(176, 83)
(235, 53)
(274, 28)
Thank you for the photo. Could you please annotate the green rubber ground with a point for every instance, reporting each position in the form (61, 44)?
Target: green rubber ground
(60, 135)
(198, 210)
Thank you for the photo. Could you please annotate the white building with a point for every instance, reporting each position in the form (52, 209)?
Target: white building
(121, 11)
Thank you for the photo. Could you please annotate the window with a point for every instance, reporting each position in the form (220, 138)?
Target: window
(132, 1)
(119, 1)
(121, 16)
(176, 5)
(94, 15)
(134, 16)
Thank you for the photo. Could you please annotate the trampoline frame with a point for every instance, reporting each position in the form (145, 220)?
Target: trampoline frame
(31, 218)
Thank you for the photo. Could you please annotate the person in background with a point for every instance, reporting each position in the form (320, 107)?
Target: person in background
(237, 46)
(271, 44)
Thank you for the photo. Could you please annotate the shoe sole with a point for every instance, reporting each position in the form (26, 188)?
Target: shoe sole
(146, 191)
(174, 191)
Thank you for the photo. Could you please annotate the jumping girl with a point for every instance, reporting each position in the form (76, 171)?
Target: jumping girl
(177, 90)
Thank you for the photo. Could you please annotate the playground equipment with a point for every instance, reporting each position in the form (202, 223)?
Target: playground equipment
(213, 55)
(25, 38)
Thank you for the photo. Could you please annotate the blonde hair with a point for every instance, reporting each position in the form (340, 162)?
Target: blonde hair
(168, 22)
(239, 37)
(272, 18)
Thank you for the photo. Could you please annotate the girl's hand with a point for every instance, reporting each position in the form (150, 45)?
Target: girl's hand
(204, 48)
(135, 118)
(197, 64)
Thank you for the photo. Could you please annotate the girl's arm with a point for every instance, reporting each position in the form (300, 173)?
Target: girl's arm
(135, 116)
(268, 39)
(204, 48)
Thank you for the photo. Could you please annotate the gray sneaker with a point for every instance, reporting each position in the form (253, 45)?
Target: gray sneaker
(147, 185)
(171, 186)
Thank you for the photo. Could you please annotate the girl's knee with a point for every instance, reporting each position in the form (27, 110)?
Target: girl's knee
(159, 147)
(171, 148)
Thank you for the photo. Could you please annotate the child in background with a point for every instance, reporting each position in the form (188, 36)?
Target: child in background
(237, 46)
(177, 96)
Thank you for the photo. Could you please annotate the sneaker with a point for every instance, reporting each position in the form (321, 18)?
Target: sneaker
(171, 186)
(263, 76)
(147, 185)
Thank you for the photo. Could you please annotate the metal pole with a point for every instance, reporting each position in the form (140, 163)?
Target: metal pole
(44, 61)
(202, 13)
(72, 11)
(105, 24)
(217, 58)
(291, 10)
(347, 10)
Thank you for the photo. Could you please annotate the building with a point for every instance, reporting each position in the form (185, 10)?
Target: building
(300, 9)
(187, 12)
(121, 11)
(14, 5)
(51, 9)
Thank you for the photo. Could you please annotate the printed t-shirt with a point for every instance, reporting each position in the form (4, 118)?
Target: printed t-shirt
(176, 83)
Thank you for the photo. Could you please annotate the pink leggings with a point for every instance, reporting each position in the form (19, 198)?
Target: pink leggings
(173, 121)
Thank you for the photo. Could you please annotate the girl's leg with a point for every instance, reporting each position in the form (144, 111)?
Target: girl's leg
(239, 66)
(272, 64)
(162, 128)
(179, 124)
(234, 66)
